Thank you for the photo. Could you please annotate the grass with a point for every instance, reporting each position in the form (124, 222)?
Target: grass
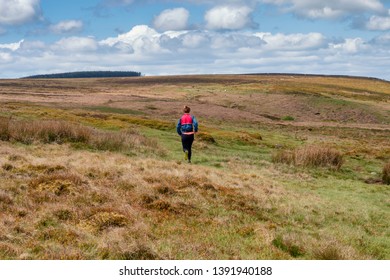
(46, 131)
(311, 156)
(288, 118)
(95, 182)
(54, 131)
(386, 174)
(114, 110)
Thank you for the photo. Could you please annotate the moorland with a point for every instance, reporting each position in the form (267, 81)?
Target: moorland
(284, 167)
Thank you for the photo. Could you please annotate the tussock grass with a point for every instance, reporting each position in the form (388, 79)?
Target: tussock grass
(61, 183)
(139, 252)
(54, 131)
(333, 250)
(386, 174)
(5, 198)
(311, 156)
(7, 251)
(123, 141)
(103, 220)
(45, 131)
(288, 243)
(205, 137)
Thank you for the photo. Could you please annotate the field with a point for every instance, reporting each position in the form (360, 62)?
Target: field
(284, 167)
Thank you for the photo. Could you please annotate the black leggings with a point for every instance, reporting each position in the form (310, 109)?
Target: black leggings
(186, 141)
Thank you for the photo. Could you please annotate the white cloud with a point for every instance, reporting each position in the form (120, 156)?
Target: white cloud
(11, 46)
(5, 57)
(32, 46)
(379, 23)
(229, 17)
(136, 33)
(325, 12)
(141, 39)
(350, 46)
(294, 42)
(194, 40)
(67, 26)
(75, 44)
(330, 9)
(17, 12)
(237, 41)
(172, 19)
(198, 51)
(382, 40)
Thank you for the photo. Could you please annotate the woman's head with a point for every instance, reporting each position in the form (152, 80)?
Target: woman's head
(186, 109)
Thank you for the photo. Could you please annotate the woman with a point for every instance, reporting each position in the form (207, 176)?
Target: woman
(186, 127)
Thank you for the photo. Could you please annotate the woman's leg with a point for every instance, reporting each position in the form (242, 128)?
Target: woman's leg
(190, 141)
(187, 141)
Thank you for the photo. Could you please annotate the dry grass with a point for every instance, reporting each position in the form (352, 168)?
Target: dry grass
(386, 174)
(45, 131)
(311, 156)
(59, 183)
(125, 208)
(333, 250)
(104, 220)
(54, 131)
(205, 137)
(75, 193)
(289, 244)
(125, 141)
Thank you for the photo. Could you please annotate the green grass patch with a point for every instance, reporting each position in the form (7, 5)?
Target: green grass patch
(114, 110)
(288, 118)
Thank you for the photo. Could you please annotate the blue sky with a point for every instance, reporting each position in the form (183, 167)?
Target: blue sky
(167, 37)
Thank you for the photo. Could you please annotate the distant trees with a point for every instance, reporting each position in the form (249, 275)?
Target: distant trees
(87, 74)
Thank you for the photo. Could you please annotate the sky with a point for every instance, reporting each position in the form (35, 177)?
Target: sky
(169, 37)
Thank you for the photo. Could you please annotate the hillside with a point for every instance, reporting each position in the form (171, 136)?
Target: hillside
(284, 167)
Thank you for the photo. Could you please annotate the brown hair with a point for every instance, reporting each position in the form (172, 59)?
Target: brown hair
(186, 109)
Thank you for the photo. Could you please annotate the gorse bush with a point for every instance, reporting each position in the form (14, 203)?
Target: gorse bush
(386, 174)
(311, 156)
(53, 131)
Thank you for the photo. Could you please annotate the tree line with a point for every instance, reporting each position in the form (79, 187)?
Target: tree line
(87, 74)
